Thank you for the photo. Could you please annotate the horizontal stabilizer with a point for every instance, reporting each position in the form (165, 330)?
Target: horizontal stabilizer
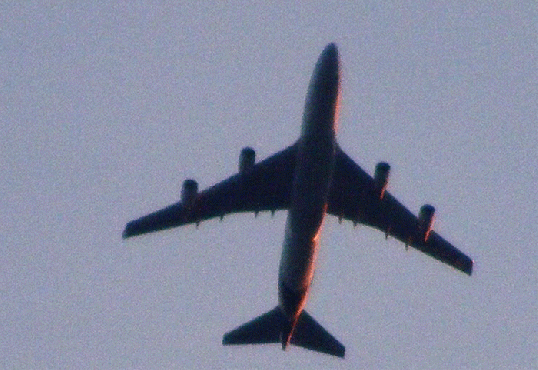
(263, 329)
(272, 326)
(311, 335)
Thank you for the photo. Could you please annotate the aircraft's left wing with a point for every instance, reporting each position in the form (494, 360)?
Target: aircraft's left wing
(355, 196)
(264, 187)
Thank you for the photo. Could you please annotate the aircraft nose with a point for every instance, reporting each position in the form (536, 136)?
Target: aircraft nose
(322, 97)
(323, 89)
(327, 66)
(330, 52)
(328, 60)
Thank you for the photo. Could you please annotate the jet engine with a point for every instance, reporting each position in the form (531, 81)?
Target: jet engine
(246, 159)
(381, 177)
(189, 192)
(426, 219)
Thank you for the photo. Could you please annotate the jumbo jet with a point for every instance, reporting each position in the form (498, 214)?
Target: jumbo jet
(309, 179)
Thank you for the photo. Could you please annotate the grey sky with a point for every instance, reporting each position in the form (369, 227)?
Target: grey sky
(105, 109)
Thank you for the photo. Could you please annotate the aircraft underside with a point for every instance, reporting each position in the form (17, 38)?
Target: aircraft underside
(310, 178)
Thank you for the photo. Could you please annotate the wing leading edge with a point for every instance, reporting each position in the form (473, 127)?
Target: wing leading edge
(356, 197)
(264, 187)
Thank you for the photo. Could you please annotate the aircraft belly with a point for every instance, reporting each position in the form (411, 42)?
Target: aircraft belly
(313, 175)
(305, 218)
(298, 258)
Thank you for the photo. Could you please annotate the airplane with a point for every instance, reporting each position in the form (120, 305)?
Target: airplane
(310, 178)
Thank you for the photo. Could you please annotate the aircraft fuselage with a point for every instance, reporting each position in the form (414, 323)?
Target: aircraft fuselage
(312, 179)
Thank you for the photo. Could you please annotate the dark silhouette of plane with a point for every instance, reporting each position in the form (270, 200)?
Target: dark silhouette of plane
(310, 178)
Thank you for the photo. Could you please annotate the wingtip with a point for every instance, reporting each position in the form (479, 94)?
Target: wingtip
(128, 231)
(465, 266)
(469, 270)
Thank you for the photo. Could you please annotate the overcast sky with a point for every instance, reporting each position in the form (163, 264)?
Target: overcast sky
(106, 109)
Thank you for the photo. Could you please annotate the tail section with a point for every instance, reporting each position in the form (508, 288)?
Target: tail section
(263, 329)
(311, 335)
(274, 327)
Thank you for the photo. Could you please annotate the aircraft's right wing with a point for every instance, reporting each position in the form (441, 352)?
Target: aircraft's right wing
(356, 197)
(264, 187)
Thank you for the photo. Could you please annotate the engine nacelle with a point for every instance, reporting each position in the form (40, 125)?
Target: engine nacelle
(381, 177)
(189, 192)
(246, 159)
(425, 219)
